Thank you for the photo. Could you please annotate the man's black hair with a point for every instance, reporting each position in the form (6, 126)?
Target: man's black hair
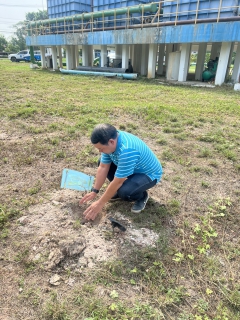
(102, 133)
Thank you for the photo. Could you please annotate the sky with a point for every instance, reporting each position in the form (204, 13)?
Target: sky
(13, 11)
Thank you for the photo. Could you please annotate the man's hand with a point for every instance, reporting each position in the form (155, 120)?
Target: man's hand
(92, 211)
(88, 197)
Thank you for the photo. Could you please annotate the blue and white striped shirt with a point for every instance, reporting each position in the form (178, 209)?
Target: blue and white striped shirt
(131, 156)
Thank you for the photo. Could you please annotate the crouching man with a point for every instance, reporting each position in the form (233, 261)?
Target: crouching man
(130, 166)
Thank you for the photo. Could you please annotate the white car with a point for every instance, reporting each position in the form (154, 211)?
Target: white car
(17, 57)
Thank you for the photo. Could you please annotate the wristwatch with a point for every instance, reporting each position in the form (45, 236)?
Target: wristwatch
(94, 190)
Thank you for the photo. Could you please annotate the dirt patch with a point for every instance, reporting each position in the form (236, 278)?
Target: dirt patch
(61, 238)
(62, 247)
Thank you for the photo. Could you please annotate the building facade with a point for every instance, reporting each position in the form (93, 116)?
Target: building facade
(158, 38)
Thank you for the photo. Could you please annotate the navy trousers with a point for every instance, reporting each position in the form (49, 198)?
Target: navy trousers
(134, 186)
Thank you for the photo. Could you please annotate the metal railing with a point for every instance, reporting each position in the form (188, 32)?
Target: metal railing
(169, 12)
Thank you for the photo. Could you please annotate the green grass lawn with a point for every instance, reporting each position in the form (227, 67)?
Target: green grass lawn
(193, 271)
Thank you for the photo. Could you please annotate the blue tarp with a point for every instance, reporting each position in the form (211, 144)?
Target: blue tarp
(76, 180)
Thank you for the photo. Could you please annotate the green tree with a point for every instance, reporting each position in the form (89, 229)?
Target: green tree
(3, 43)
(39, 15)
(12, 45)
(18, 42)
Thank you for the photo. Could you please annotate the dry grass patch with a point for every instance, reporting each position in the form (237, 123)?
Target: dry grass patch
(178, 260)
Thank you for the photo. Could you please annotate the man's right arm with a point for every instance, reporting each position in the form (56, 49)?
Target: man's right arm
(101, 176)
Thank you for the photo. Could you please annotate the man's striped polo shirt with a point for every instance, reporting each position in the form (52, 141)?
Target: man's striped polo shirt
(132, 156)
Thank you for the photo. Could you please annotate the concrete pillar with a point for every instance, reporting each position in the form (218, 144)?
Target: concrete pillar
(43, 61)
(77, 56)
(184, 61)
(230, 60)
(144, 60)
(215, 50)
(236, 68)
(152, 57)
(173, 65)
(59, 49)
(54, 57)
(103, 56)
(125, 56)
(222, 63)
(69, 60)
(85, 55)
(73, 57)
(200, 61)
(161, 53)
(169, 49)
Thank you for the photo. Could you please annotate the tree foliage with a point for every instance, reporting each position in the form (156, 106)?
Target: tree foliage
(39, 15)
(3, 43)
(17, 42)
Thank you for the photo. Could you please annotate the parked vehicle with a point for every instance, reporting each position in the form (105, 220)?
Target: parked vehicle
(20, 56)
(4, 55)
(37, 57)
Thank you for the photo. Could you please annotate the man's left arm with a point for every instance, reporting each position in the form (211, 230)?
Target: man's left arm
(92, 211)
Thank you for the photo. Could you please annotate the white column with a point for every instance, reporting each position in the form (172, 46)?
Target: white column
(60, 56)
(169, 49)
(73, 57)
(200, 60)
(215, 50)
(152, 57)
(125, 56)
(230, 59)
(85, 55)
(43, 61)
(184, 61)
(54, 57)
(236, 68)
(144, 59)
(173, 65)
(69, 60)
(161, 52)
(94, 53)
(103, 56)
(77, 56)
(222, 63)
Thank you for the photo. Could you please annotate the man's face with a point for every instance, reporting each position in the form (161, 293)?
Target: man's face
(107, 148)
